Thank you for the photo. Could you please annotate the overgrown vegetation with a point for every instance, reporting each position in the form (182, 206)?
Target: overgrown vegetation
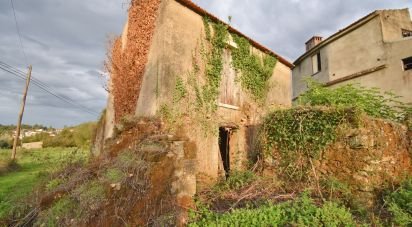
(299, 135)
(296, 138)
(201, 98)
(372, 101)
(35, 167)
(250, 199)
(180, 91)
(399, 203)
(255, 72)
(204, 103)
(237, 180)
(118, 190)
(301, 212)
(214, 62)
(63, 211)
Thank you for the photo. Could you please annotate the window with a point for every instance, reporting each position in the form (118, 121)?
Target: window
(316, 63)
(406, 33)
(407, 63)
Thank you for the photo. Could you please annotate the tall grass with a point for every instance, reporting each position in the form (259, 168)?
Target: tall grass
(34, 167)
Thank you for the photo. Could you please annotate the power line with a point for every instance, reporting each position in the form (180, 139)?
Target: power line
(44, 87)
(55, 95)
(66, 100)
(18, 32)
(23, 73)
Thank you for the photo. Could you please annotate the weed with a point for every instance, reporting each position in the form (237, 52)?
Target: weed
(62, 211)
(53, 184)
(114, 175)
(335, 188)
(236, 180)
(399, 203)
(180, 90)
(91, 195)
(301, 212)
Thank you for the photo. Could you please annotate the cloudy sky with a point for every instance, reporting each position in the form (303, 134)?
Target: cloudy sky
(66, 41)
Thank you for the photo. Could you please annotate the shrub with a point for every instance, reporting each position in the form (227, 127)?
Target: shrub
(301, 133)
(372, 101)
(399, 203)
(63, 139)
(79, 136)
(335, 189)
(91, 195)
(5, 144)
(114, 175)
(237, 180)
(301, 212)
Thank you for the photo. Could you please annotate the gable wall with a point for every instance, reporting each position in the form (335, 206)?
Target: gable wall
(179, 34)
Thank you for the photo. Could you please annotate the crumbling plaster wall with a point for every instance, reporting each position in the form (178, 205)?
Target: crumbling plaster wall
(178, 34)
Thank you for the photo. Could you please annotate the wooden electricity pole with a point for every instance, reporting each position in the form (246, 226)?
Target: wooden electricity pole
(23, 103)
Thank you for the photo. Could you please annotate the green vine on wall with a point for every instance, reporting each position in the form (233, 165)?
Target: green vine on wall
(180, 91)
(300, 134)
(255, 72)
(214, 62)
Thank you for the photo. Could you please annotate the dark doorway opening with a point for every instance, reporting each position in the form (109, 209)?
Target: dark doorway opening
(224, 139)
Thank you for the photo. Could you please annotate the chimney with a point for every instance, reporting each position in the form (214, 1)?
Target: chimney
(315, 40)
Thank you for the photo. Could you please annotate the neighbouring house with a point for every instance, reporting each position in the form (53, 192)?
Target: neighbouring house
(210, 83)
(375, 51)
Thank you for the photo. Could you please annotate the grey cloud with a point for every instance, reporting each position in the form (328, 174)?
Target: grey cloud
(66, 43)
(284, 26)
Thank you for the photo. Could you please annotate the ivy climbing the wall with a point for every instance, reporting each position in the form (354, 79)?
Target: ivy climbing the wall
(300, 134)
(214, 62)
(255, 72)
(180, 91)
(205, 95)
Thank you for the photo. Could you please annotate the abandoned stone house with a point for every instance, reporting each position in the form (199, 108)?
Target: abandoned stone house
(375, 51)
(176, 61)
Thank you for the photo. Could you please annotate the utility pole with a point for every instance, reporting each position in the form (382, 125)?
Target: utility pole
(23, 103)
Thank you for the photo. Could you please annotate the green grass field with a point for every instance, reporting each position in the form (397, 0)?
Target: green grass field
(35, 167)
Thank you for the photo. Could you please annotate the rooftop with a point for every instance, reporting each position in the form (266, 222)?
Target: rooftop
(342, 32)
(197, 9)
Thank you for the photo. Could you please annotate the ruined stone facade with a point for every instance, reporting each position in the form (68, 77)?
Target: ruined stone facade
(151, 57)
(365, 160)
(375, 51)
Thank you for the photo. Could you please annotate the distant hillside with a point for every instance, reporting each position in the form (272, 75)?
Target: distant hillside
(75, 136)
(6, 129)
